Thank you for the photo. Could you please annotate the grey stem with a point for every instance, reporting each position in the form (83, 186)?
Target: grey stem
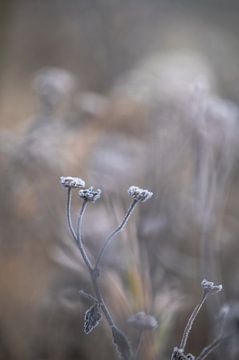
(191, 321)
(101, 300)
(87, 296)
(68, 213)
(79, 238)
(208, 349)
(139, 341)
(115, 232)
(90, 267)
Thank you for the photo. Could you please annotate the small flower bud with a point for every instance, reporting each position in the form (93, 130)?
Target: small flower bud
(72, 182)
(139, 194)
(141, 321)
(210, 287)
(90, 194)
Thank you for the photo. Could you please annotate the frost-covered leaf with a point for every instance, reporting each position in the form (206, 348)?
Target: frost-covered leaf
(121, 343)
(92, 318)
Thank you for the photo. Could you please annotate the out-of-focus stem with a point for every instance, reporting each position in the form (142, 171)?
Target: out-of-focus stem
(139, 341)
(208, 349)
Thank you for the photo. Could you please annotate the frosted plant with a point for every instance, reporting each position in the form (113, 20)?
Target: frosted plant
(140, 321)
(179, 352)
(94, 314)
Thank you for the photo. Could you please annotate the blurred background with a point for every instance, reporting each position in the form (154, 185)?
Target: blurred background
(119, 93)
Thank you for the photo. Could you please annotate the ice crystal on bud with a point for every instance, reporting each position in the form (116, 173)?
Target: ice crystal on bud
(210, 287)
(139, 194)
(72, 182)
(90, 194)
(141, 321)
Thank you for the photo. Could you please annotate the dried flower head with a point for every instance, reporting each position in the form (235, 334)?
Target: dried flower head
(178, 354)
(90, 194)
(72, 182)
(210, 287)
(139, 194)
(141, 321)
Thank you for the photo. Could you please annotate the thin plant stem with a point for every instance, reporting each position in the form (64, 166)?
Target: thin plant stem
(79, 238)
(90, 267)
(208, 349)
(68, 213)
(138, 344)
(191, 321)
(115, 232)
(87, 296)
(101, 300)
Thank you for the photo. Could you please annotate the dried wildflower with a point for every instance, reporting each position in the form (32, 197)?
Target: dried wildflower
(141, 321)
(72, 182)
(139, 194)
(209, 287)
(178, 354)
(92, 318)
(90, 194)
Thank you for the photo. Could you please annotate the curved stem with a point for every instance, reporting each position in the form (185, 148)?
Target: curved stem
(190, 322)
(114, 233)
(68, 213)
(90, 267)
(79, 238)
(208, 349)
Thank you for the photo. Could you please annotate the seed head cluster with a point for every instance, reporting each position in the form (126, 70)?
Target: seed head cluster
(139, 194)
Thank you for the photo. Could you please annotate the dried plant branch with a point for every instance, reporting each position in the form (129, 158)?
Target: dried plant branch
(190, 322)
(208, 288)
(93, 314)
(118, 229)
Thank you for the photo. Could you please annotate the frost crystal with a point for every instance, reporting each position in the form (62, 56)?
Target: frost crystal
(72, 182)
(210, 287)
(139, 194)
(90, 194)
